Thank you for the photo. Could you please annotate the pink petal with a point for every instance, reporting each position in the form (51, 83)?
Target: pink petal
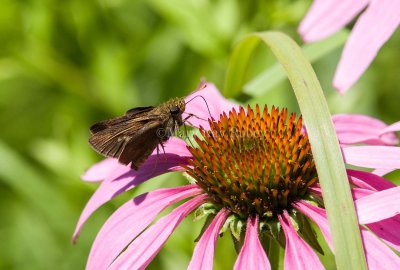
(318, 215)
(101, 170)
(198, 107)
(359, 193)
(129, 220)
(378, 206)
(356, 192)
(124, 179)
(252, 255)
(378, 255)
(356, 128)
(203, 255)
(316, 189)
(372, 30)
(298, 254)
(146, 246)
(382, 157)
(392, 128)
(325, 17)
(369, 180)
(360, 183)
(388, 230)
(174, 146)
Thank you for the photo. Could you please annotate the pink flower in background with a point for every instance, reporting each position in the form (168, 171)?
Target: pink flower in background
(234, 182)
(377, 22)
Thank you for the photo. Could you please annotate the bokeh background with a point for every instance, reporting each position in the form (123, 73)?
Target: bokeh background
(67, 64)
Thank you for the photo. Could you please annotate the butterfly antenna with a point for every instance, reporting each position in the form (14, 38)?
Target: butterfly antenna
(205, 101)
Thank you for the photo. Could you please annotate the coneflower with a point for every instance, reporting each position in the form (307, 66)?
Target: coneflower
(253, 173)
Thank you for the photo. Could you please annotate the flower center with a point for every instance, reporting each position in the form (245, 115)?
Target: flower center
(254, 162)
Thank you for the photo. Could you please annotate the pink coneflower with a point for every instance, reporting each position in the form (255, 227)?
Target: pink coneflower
(254, 170)
(373, 28)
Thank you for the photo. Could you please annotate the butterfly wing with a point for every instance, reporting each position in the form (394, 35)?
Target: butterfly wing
(130, 138)
(136, 113)
(140, 146)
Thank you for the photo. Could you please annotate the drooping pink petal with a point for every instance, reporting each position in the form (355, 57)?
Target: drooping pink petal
(325, 17)
(378, 206)
(388, 230)
(383, 229)
(127, 179)
(101, 170)
(198, 107)
(382, 157)
(146, 246)
(392, 128)
(298, 254)
(129, 220)
(371, 31)
(124, 178)
(356, 128)
(369, 180)
(378, 255)
(203, 255)
(318, 215)
(252, 255)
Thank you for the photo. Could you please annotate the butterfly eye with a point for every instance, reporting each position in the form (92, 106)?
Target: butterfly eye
(174, 110)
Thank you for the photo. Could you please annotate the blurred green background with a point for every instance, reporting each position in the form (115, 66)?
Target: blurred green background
(67, 64)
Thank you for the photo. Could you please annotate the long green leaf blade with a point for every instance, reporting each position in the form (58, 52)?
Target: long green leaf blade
(326, 151)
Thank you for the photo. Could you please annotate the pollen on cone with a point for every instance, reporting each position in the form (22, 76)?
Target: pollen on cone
(253, 161)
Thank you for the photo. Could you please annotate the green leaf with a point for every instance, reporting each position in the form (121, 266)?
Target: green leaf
(326, 151)
(236, 73)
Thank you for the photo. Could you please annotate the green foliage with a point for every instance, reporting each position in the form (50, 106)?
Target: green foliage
(65, 65)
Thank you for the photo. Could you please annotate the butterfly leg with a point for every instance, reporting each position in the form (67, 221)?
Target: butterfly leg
(162, 146)
(185, 120)
(190, 115)
(157, 157)
(187, 137)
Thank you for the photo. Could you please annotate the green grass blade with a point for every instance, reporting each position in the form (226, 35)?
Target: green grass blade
(326, 151)
(268, 79)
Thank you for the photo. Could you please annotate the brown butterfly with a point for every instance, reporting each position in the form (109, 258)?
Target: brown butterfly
(131, 138)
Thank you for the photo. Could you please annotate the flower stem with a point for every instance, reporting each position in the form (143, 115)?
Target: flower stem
(273, 250)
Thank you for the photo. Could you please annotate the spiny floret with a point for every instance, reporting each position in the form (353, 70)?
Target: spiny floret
(253, 162)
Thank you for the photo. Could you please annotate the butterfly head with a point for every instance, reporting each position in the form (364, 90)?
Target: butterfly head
(176, 107)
